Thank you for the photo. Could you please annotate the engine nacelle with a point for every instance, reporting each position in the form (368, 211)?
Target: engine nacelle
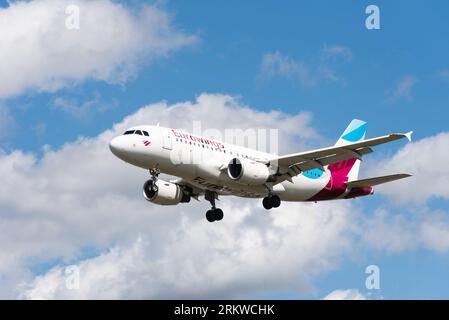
(248, 172)
(164, 192)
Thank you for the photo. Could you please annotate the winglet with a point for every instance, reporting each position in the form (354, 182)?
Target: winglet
(408, 135)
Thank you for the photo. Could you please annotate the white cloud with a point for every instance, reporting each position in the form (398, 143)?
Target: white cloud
(38, 51)
(85, 109)
(410, 224)
(435, 231)
(402, 90)
(347, 294)
(426, 160)
(389, 232)
(335, 51)
(276, 64)
(82, 196)
(194, 259)
(395, 231)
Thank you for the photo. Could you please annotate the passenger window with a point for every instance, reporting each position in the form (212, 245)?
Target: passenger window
(129, 132)
(138, 132)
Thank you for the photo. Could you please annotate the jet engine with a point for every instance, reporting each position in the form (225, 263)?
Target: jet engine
(249, 172)
(164, 192)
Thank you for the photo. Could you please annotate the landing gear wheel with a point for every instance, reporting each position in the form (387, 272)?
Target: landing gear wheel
(271, 202)
(267, 203)
(210, 216)
(214, 215)
(275, 201)
(218, 213)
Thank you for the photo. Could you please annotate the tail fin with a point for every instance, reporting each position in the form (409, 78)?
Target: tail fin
(353, 133)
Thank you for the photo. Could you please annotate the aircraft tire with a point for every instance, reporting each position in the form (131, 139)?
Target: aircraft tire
(275, 201)
(218, 214)
(267, 203)
(210, 216)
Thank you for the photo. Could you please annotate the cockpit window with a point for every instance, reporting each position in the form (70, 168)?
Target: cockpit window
(139, 132)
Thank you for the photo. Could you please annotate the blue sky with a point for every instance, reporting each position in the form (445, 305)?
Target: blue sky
(395, 78)
(235, 36)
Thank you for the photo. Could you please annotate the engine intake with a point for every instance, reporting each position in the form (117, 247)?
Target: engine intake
(248, 172)
(164, 192)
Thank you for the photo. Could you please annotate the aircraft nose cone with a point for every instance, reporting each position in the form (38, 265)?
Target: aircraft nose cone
(116, 146)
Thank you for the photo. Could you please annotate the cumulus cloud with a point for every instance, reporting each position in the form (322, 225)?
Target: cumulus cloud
(348, 294)
(194, 259)
(435, 231)
(426, 160)
(38, 51)
(81, 196)
(402, 90)
(395, 231)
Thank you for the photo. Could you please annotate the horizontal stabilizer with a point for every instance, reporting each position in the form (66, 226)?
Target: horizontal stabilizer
(375, 181)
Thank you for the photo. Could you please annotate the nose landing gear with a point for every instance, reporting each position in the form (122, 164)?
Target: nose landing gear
(214, 214)
(154, 173)
(272, 201)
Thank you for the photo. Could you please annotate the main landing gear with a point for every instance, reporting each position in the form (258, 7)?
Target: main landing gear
(214, 214)
(272, 201)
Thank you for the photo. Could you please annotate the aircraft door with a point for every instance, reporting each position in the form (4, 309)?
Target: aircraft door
(167, 142)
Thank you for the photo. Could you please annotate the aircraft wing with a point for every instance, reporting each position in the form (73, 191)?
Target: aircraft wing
(319, 158)
(375, 181)
(191, 189)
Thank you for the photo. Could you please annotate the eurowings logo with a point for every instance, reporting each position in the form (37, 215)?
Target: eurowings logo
(146, 143)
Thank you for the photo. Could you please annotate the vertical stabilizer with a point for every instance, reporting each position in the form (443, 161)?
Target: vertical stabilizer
(353, 133)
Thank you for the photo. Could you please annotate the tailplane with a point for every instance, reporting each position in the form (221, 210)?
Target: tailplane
(364, 183)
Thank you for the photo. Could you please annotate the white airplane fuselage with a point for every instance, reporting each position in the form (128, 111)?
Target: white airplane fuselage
(201, 162)
(211, 168)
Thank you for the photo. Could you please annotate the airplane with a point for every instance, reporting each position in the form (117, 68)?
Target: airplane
(211, 168)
